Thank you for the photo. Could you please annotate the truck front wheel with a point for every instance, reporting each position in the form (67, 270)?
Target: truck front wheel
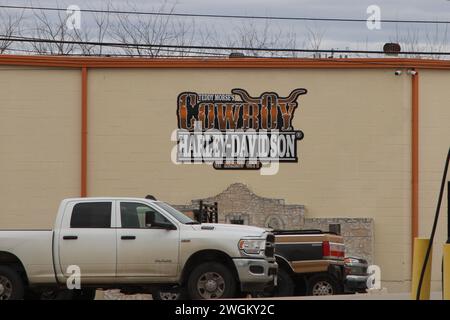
(211, 280)
(285, 286)
(11, 285)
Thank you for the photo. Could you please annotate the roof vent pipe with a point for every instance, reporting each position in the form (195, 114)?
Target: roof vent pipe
(391, 49)
(236, 55)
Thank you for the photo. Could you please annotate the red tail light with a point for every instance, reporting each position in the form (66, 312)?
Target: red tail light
(326, 249)
(333, 250)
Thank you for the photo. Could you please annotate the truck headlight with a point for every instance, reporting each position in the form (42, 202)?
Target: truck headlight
(252, 246)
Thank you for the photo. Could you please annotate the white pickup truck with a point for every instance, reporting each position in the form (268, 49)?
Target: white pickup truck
(133, 244)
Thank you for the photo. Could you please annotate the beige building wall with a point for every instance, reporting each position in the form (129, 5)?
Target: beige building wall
(353, 162)
(39, 144)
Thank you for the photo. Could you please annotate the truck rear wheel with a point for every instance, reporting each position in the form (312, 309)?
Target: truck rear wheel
(322, 285)
(11, 285)
(211, 280)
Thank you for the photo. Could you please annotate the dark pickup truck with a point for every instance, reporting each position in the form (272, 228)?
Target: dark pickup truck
(311, 262)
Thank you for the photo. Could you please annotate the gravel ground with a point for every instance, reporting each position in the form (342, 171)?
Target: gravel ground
(115, 294)
(382, 295)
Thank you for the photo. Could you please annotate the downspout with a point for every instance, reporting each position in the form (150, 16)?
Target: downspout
(84, 119)
(414, 157)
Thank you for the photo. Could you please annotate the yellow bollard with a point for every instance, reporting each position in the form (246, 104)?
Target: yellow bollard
(420, 250)
(446, 273)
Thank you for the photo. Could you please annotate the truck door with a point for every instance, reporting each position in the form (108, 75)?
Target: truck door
(87, 240)
(145, 251)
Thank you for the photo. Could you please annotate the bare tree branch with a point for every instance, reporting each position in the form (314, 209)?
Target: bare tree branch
(148, 30)
(97, 33)
(254, 36)
(9, 27)
(52, 29)
(314, 38)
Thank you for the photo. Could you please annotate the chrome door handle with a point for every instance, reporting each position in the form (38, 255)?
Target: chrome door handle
(70, 237)
(128, 237)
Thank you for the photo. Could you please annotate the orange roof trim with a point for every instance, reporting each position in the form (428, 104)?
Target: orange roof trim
(271, 63)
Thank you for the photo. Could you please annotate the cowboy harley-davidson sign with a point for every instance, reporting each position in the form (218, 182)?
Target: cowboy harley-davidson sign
(237, 131)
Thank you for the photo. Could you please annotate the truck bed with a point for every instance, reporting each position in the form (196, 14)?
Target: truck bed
(304, 249)
(34, 251)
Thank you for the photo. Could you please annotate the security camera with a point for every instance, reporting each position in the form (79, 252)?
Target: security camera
(412, 72)
(398, 72)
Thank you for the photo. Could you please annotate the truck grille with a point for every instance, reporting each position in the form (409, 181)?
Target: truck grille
(270, 246)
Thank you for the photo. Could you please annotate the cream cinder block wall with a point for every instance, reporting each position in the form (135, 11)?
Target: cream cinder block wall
(353, 162)
(434, 143)
(39, 144)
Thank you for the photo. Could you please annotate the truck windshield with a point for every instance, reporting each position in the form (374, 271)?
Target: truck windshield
(181, 217)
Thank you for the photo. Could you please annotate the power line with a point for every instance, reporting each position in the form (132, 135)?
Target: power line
(221, 48)
(223, 16)
(22, 50)
(121, 45)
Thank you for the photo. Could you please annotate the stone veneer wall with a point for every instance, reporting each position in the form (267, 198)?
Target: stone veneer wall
(239, 202)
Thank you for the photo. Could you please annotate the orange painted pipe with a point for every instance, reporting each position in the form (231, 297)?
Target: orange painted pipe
(84, 123)
(415, 159)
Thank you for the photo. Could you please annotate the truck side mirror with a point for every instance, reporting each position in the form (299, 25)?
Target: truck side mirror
(150, 222)
(149, 218)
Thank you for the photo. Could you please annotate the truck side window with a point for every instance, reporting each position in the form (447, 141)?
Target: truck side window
(91, 215)
(133, 215)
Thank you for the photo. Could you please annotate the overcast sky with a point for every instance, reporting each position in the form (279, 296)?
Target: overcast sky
(339, 35)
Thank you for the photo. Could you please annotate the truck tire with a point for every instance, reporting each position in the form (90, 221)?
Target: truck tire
(322, 285)
(285, 286)
(11, 284)
(211, 280)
